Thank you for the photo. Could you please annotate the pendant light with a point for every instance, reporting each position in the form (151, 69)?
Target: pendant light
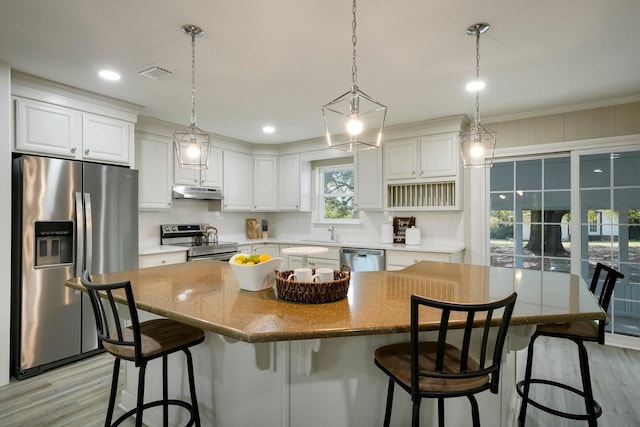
(192, 144)
(478, 143)
(354, 121)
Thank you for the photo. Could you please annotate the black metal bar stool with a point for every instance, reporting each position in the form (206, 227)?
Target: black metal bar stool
(140, 343)
(578, 332)
(440, 369)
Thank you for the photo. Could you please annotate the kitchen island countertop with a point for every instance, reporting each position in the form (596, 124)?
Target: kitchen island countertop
(206, 294)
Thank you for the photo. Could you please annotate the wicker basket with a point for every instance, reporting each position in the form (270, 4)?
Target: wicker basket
(312, 292)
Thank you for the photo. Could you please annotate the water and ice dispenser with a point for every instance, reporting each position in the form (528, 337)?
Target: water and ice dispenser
(54, 243)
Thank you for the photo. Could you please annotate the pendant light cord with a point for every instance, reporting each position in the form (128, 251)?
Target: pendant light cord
(477, 115)
(193, 78)
(354, 67)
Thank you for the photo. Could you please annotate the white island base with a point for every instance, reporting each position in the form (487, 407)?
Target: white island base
(310, 383)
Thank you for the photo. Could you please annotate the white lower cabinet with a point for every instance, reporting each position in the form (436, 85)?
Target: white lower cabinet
(260, 248)
(397, 260)
(330, 259)
(154, 260)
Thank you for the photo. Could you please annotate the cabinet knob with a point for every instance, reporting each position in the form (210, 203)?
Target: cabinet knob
(86, 151)
(73, 150)
(413, 172)
(421, 173)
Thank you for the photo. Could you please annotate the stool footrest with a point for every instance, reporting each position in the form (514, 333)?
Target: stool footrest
(155, 403)
(520, 386)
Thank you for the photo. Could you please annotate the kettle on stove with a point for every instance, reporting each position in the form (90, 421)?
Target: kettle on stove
(211, 234)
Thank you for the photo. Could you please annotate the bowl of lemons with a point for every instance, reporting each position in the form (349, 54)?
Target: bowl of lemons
(255, 272)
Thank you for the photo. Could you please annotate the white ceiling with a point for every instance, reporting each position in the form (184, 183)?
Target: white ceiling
(279, 61)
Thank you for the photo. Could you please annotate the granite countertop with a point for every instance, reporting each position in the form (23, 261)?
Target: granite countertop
(426, 246)
(206, 294)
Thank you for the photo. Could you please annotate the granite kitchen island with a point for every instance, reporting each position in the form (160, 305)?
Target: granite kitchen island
(276, 363)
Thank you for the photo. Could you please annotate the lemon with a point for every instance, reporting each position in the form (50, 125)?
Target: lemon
(241, 259)
(264, 257)
(250, 263)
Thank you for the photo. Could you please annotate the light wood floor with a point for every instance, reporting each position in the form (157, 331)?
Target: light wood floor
(77, 395)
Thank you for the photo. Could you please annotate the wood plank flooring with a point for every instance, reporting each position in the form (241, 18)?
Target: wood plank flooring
(77, 395)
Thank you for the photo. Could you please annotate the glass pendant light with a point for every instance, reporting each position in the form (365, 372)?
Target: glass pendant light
(192, 144)
(478, 143)
(354, 121)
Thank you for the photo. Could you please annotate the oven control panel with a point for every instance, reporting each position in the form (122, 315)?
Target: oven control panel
(181, 230)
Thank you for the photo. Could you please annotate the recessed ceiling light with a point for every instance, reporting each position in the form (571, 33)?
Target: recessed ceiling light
(109, 75)
(268, 129)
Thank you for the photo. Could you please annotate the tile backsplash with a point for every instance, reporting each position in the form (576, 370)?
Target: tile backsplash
(436, 226)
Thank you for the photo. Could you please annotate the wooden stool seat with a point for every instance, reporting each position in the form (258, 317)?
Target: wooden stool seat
(157, 337)
(395, 359)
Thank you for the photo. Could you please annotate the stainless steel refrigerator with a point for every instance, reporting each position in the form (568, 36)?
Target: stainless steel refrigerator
(66, 216)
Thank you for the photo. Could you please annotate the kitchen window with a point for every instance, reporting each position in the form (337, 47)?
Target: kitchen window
(335, 195)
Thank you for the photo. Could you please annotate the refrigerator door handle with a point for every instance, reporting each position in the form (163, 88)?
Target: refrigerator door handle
(89, 230)
(79, 235)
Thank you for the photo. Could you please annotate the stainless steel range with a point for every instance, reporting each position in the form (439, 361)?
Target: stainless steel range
(200, 239)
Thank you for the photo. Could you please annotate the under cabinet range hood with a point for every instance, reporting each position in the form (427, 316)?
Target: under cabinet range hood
(198, 193)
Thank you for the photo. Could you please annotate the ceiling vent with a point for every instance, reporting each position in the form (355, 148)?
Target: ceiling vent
(154, 72)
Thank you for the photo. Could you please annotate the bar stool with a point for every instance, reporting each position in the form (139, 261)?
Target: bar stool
(440, 369)
(140, 343)
(578, 332)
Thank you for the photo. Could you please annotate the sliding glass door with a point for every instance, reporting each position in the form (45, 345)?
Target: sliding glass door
(610, 228)
(534, 202)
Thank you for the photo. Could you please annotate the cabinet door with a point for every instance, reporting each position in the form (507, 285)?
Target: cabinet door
(401, 159)
(237, 181)
(438, 156)
(289, 183)
(47, 129)
(153, 260)
(265, 183)
(368, 179)
(324, 263)
(154, 158)
(212, 177)
(106, 139)
(182, 176)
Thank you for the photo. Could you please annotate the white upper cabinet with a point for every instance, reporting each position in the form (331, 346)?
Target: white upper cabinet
(368, 183)
(48, 129)
(106, 139)
(154, 158)
(439, 156)
(401, 159)
(432, 156)
(210, 177)
(289, 183)
(265, 187)
(237, 182)
(44, 128)
(423, 173)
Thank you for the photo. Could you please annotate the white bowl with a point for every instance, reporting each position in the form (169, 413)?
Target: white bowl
(255, 277)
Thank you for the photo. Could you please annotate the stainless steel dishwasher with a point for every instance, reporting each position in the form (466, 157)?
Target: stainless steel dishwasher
(361, 259)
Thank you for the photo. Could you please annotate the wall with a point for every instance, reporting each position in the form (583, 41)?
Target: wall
(600, 122)
(5, 220)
